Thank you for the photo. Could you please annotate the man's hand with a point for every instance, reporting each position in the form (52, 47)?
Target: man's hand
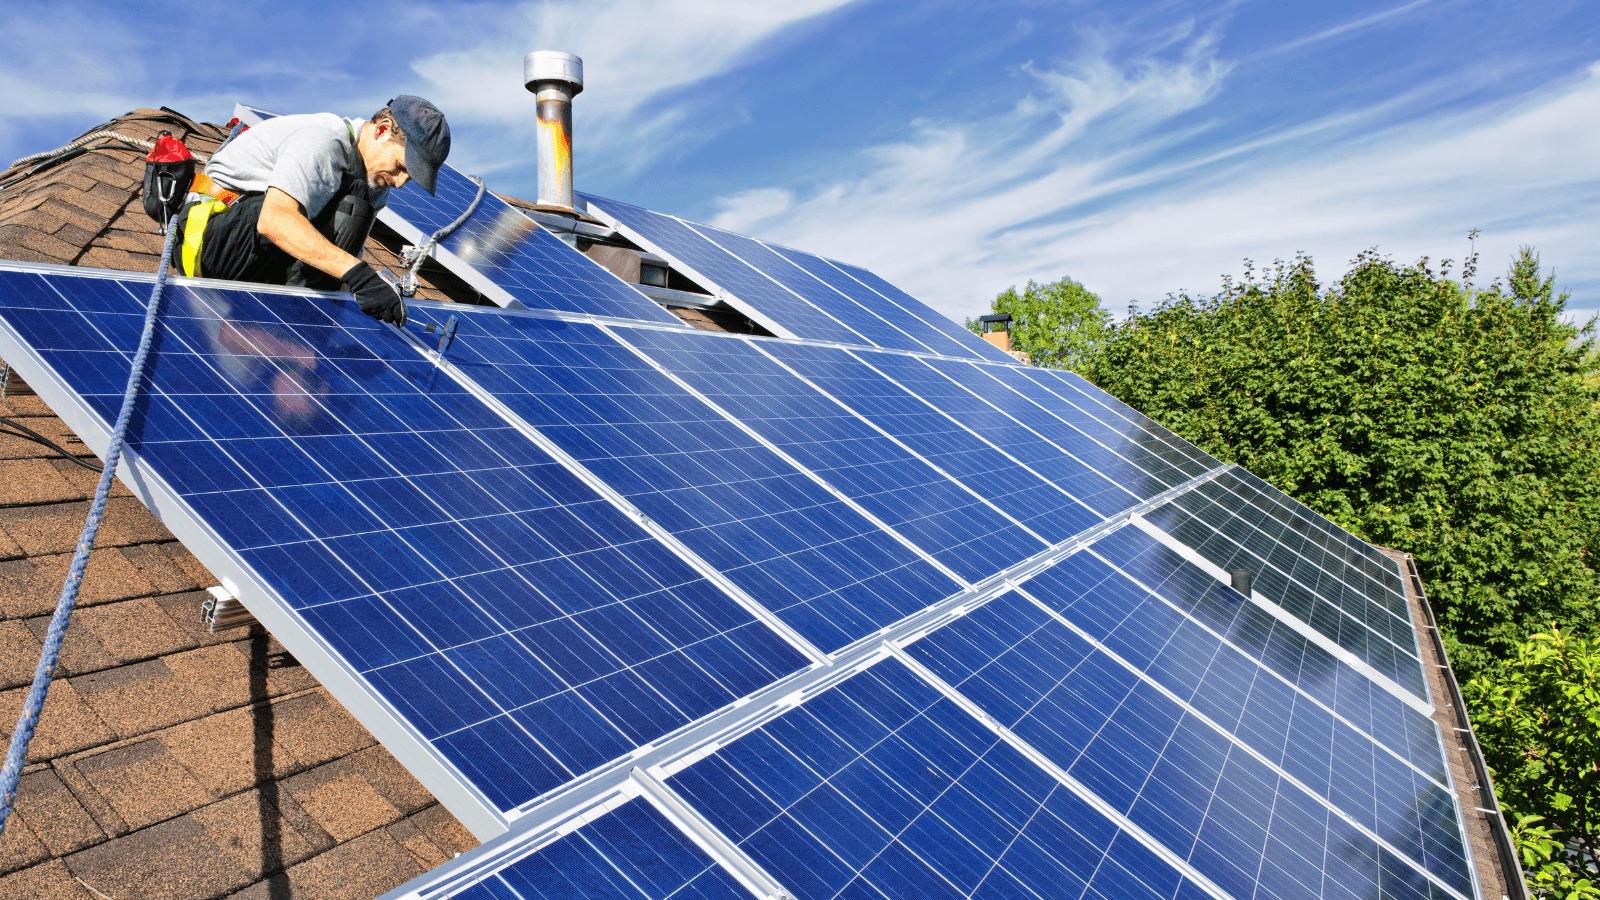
(376, 297)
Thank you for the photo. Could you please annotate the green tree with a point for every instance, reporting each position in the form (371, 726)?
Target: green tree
(1539, 723)
(1414, 411)
(1059, 325)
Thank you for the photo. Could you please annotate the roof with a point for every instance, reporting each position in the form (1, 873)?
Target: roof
(170, 762)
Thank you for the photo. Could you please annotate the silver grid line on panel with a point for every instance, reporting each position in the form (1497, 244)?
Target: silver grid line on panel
(824, 483)
(1237, 742)
(1282, 615)
(655, 529)
(387, 724)
(671, 754)
(1059, 774)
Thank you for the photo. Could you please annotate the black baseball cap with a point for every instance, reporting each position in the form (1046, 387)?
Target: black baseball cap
(427, 138)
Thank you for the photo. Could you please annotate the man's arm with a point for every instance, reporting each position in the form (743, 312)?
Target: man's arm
(283, 221)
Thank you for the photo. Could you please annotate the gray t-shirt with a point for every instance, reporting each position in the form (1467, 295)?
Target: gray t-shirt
(304, 156)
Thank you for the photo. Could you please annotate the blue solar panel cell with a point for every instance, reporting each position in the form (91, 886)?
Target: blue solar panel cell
(1077, 383)
(917, 309)
(882, 788)
(869, 328)
(1294, 729)
(1049, 510)
(1097, 489)
(632, 853)
(823, 568)
(515, 620)
(950, 523)
(1352, 628)
(1339, 542)
(1186, 771)
(1120, 459)
(530, 264)
(1261, 636)
(936, 340)
(677, 241)
(1063, 396)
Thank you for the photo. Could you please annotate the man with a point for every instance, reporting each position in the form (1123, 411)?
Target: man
(270, 196)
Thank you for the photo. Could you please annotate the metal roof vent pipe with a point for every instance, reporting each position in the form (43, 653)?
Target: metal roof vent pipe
(554, 78)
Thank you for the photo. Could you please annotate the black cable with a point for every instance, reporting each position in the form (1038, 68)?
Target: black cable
(28, 434)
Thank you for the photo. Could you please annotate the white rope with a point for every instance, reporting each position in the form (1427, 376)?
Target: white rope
(94, 136)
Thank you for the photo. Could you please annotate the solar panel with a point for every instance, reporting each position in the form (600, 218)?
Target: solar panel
(885, 787)
(937, 336)
(1375, 707)
(516, 629)
(682, 614)
(919, 310)
(951, 522)
(508, 257)
(1072, 386)
(757, 296)
(1136, 459)
(823, 568)
(632, 853)
(1079, 476)
(1289, 580)
(1246, 781)
(865, 321)
(1042, 490)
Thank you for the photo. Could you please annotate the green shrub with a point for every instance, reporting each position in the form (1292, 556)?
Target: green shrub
(1538, 720)
(1453, 423)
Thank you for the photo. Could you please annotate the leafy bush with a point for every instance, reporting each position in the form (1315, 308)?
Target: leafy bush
(1548, 865)
(1539, 723)
(1416, 412)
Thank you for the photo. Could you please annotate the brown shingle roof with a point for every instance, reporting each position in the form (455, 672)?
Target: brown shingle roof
(170, 762)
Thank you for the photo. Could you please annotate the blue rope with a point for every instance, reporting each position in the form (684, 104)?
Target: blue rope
(17, 756)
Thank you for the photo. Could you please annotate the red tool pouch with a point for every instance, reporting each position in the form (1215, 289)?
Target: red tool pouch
(168, 172)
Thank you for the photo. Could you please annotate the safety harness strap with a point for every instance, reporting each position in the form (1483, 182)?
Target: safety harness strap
(194, 233)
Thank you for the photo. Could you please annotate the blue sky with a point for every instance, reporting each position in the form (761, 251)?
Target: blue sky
(955, 148)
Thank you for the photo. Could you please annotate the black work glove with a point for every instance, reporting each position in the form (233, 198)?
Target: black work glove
(376, 297)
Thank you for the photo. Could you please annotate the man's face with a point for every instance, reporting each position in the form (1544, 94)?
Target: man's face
(386, 160)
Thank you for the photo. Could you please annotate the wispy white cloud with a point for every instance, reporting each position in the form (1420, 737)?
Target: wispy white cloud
(958, 211)
(1345, 28)
(636, 54)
